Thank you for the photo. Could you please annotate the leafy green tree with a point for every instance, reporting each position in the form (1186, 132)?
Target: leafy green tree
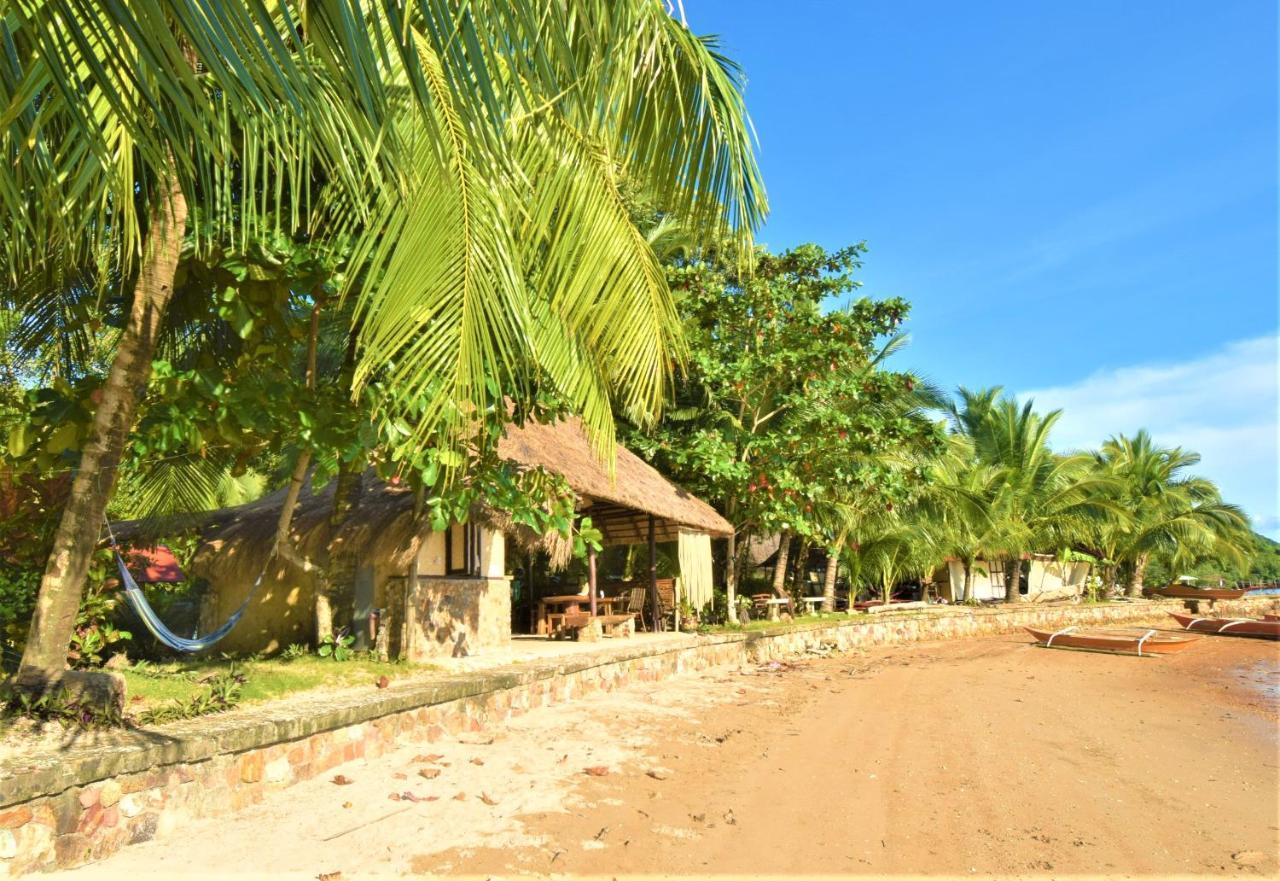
(784, 405)
(449, 141)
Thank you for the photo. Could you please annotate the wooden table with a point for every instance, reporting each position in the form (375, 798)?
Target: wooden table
(568, 605)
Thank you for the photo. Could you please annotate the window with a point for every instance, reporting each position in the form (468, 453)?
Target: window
(462, 550)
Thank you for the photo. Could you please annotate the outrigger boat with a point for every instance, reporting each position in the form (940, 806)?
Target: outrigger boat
(1185, 592)
(1264, 629)
(1126, 642)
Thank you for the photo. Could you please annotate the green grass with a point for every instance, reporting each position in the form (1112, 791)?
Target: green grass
(150, 685)
(766, 624)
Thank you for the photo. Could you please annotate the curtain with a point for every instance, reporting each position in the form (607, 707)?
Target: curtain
(695, 568)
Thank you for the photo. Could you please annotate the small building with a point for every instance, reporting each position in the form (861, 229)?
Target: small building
(1044, 577)
(445, 594)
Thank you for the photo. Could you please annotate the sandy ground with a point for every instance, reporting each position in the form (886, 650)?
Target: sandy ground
(984, 757)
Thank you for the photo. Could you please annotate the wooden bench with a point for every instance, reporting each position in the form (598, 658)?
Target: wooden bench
(582, 626)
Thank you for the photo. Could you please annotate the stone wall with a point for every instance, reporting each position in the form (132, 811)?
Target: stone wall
(81, 804)
(458, 617)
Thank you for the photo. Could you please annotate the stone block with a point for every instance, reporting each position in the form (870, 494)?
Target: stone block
(144, 829)
(278, 770)
(91, 819)
(8, 844)
(109, 794)
(251, 767)
(72, 850)
(100, 689)
(130, 806)
(12, 819)
(88, 797)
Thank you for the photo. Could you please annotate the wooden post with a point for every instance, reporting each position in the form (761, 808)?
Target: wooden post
(591, 578)
(655, 609)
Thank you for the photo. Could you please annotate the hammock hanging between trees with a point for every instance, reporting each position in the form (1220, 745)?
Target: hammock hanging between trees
(138, 602)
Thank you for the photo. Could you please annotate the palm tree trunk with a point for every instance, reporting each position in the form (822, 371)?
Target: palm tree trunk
(62, 585)
(1136, 582)
(966, 592)
(780, 564)
(731, 577)
(1013, 580)
(829, 577)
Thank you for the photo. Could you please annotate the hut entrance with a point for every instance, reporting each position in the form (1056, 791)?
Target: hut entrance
(626, 580)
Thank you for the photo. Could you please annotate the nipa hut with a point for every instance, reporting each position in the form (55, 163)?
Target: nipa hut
(443, 593)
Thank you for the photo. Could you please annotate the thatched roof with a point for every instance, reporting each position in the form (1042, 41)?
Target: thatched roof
(619, 504)
(382, 524)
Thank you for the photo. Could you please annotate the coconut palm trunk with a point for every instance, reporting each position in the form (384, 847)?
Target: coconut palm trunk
(966, 592)
(1138, 579)
(62, 584)
(1013, 581)
(780, 565)
(829, 577)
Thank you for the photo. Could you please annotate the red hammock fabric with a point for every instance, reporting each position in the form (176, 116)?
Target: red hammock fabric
(155, 565)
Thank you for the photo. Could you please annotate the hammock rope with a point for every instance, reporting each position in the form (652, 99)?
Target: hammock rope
(138, 602)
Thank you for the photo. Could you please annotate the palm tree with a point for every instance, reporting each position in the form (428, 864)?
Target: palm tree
(1169, 512)
(475, 153)
(1043, 500)
(962, 504)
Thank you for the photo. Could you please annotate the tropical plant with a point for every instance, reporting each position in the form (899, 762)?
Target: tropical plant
(474, 153)
(1176, 515)
(786, 405)
(1042, 500)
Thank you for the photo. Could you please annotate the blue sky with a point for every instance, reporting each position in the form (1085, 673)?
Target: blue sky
(1079, 200)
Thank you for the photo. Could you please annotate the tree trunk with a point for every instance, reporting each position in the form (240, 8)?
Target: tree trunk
(1136, 582)
(346, 491)
(62, 585)
(829, 577)
(966, 592)
(731, 577)
(780, 565)
(322, 607)
(800, 569)
(1013, 581)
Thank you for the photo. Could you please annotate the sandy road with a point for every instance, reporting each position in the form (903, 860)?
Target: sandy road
(985, 757)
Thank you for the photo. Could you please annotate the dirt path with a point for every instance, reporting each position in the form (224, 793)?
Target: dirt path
(985, 757)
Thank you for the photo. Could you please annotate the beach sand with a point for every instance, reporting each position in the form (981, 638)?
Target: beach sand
(979, 757)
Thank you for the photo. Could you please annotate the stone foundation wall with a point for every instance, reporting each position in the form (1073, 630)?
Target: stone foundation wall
(458, 617)
(83, 804)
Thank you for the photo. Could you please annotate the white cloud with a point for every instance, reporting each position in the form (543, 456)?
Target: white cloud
(1223, 406)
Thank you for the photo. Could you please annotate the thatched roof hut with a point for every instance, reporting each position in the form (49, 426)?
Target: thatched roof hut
(619, 505)
(379, 545)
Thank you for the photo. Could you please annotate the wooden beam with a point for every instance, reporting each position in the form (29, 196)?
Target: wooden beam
(655, 610)
(591, 577)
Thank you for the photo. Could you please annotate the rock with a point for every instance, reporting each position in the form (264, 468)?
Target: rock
(8, 844)
(342, 780)
(103, 691)
(144, 829)
(1249, 858)
(14, 818)
(597, 771)
(109, 794)
(277, 770)
(429, 773)
(130, 806)
(658, 773)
